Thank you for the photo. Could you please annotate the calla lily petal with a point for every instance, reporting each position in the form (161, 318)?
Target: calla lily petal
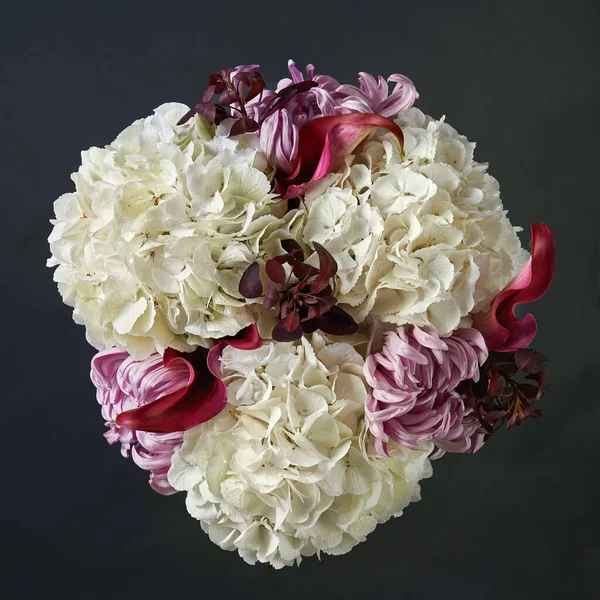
(204, 396)
(324, 143)
(247, 339)
(502, 330)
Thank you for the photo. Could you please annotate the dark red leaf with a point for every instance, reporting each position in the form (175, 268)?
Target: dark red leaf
(303, 271)
(310, 325)
(228, 97)
(531, 393)
(208, 93)
(243, 125)
(337, 322)
(312, 313)
(530, 361)
(512, 421)
(534, 413)
(327, 265)
(275, 271)
(503, 362)
(282, 259)
(271, 297)
(320, 284)
(211, 112)
(540, 379)
(284, 309)
(294, 248)
(250, 284)
(492, 415)
(254, 81)
(292, 321)
(496, 386)
(281, 334)
(285, 95)
(219, 80)
(205, 109)
(188, 115)
(325, 303)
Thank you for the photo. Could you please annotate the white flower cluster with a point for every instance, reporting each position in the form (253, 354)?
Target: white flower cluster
(151, 246)
(420, 236)
(150, 249)
(288, 470)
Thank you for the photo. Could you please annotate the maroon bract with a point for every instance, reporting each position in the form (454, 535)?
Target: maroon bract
(301, 296)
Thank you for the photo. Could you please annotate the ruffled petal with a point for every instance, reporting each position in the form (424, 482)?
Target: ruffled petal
(325, 142)
(501, 329)
(204, 396)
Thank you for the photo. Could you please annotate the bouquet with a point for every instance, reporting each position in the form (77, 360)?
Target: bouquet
(299, 297)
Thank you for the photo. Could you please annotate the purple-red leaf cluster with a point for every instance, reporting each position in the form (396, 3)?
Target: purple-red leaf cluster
(509, 388)
(235, 88)
(301, 295)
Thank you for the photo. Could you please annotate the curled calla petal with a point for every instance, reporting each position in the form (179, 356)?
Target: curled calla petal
(204, 395)
(501, 329)
(324, 143)
(247, 339)
(203, 398)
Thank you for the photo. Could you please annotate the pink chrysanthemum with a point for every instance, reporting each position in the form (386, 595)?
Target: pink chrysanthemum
(415, 398)
(124, 383)
(279, 133)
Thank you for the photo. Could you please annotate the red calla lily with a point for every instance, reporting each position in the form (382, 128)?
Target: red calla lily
(323, 143)
(502, 330)
(204, 396)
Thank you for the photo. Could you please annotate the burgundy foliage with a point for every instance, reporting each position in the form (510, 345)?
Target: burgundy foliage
(235, 88)
(510, 386)
(303, 297)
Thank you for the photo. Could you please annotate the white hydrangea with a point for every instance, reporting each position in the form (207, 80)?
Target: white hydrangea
(287, 470)
(420, 237)
(151, 246)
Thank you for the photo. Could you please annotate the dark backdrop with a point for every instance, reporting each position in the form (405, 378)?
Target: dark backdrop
(517, 520)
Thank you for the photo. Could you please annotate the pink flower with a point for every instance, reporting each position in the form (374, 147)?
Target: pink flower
(279, 133)
(373, 93)
(124, 383)
(416, 396)
(502, 330)
(204, 395)
(149, 403)
(324, 143)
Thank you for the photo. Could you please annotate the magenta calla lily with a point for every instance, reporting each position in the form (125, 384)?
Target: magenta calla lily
(324, 143)
(204, 395)
(501, 329)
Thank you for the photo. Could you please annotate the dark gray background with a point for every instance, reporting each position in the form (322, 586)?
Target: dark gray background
(519, 519)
